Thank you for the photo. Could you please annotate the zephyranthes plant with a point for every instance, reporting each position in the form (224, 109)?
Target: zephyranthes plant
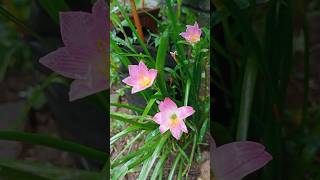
(175, 117)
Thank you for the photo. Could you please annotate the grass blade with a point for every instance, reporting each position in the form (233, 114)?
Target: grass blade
(130, 119)
(246, 99)
(160, 63)
(147, 166)
(159, 167)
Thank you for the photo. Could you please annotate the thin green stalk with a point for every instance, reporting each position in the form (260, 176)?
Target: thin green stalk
(129, 144)
(160, 62)
(132, 27)
(127, 106)
(180, 171)
(174, 36)
(195, 138)
(246, 99)
(158, 170)
(148, 166)
(131, 119)
(173, 168)
(186, 95)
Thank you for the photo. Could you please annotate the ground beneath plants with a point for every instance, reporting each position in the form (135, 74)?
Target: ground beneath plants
(12, 103)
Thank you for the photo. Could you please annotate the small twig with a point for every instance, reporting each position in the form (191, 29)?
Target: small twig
(136, 19)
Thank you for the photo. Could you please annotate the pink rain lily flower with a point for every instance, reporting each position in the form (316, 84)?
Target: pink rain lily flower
(140, 77)
(85, 55)
(171, 117)
(235, 160)
(192, 34)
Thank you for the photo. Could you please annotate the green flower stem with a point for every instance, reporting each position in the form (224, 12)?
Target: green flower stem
(186, 95)
(246, 98)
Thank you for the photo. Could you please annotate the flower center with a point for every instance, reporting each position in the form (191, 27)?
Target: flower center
(144, 81)
(194, 38)
(174, 121)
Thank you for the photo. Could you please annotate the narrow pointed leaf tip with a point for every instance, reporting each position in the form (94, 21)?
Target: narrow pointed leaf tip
(172, 118)
(140, 77)
(235, 160)
(192, 33)
(84, 57)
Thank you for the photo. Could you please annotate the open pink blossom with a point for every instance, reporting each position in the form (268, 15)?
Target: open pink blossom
(192, 34)
(85, 54)
(235, 160)
(171, 117)
(140, 77)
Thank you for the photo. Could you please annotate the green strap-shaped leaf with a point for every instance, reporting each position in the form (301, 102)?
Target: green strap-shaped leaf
(132, 119)
(160, 62)
(149, 164)
(54, 143)
(16, 170)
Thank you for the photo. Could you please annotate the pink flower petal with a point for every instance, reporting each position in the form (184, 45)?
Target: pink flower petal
(143, 68)
(152, 74)
(158, 118)
(185, 111)
(99, 9)
(169, 117)
(62, 62)
(136, 89)
(75, 29)
(196, 25)
(212, 143)
(167, 105)
(85, 56)
(140, 78)
(133, 70)
(192, 33)
(235, 160)
(163, 129)
(176, 133)
(183, 127)
(184, 35)
(130, 81)
(81, 88)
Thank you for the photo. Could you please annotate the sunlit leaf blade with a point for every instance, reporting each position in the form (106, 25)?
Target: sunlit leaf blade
(132, 119)
(148, 166)
(123, 133)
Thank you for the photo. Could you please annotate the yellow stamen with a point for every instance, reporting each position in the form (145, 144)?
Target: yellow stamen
(144, 81)
(194, 38)
(174, 121)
